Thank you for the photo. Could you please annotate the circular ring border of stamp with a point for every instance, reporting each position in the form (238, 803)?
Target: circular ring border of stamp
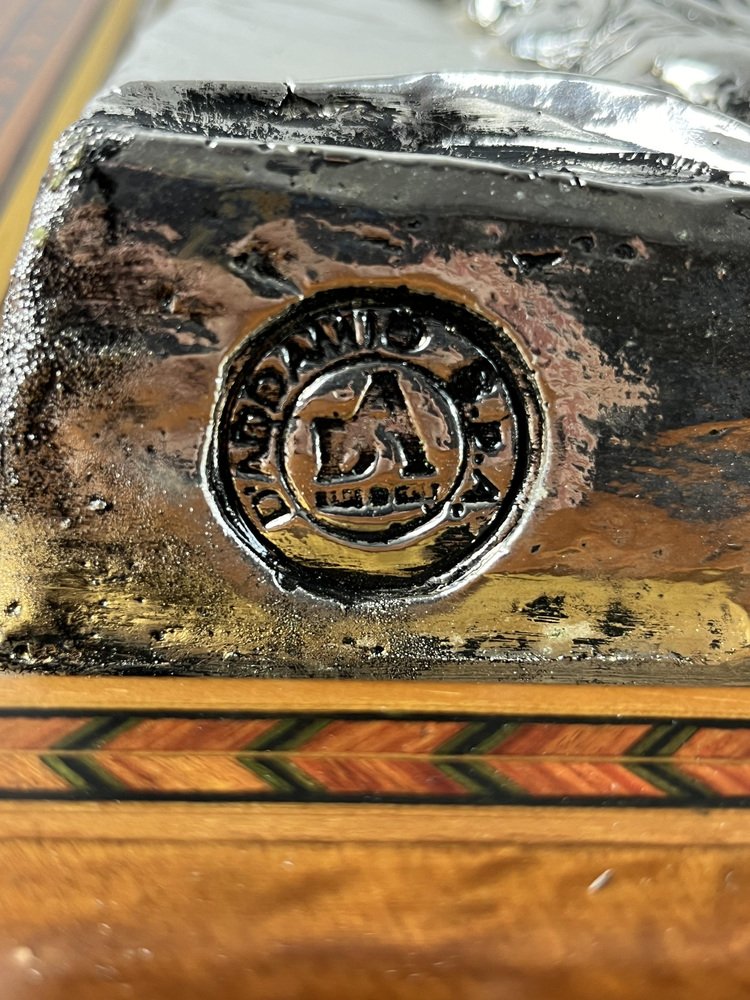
(374, 441)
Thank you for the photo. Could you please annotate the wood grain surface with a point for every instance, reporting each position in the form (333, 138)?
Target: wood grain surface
(53, 56)
(313, 900)
(161, 919)
(27, 690)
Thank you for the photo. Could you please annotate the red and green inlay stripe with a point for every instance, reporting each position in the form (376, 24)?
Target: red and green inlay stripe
(384, 758)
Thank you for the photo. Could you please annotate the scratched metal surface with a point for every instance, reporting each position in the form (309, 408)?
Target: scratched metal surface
(171, 268)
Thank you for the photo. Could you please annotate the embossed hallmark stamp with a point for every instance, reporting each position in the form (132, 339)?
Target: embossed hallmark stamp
(374, 441)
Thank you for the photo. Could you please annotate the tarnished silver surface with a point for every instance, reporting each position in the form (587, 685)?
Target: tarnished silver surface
(439, 374)
(487, 117)
(381, 380)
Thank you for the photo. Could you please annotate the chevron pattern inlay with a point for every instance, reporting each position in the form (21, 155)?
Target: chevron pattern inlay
(384, 758)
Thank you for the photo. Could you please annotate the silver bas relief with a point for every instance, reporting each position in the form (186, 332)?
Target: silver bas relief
(700, 50)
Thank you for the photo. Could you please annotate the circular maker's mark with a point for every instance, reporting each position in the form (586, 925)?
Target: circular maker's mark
(374, 440)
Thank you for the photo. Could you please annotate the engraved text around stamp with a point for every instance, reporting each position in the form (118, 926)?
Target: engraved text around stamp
(374, 441)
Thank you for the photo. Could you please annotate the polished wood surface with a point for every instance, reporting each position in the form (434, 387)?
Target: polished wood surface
(154, 918)
(370, 824)
(363, 899)
(25, 690)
